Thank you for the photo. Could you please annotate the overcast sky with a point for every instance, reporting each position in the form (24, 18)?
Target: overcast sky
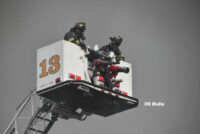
(160, 37)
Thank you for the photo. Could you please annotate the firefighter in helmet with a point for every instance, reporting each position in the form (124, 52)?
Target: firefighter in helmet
(103, 69)
(114, 47)
(76, 35)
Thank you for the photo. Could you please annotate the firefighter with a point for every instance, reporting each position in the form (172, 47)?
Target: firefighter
(76, 35)
(103, 69)
(114, 47)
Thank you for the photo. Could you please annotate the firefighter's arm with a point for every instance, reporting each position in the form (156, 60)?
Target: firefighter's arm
(72, 39)
(77, 42)
(82, 45)
(120, 57)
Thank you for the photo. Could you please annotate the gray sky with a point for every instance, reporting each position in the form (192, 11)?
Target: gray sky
(160, 37)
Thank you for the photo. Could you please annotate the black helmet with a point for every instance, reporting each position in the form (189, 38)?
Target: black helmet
(80, 26)
(117, 40)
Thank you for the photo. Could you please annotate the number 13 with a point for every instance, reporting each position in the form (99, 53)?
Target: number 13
(54, 61)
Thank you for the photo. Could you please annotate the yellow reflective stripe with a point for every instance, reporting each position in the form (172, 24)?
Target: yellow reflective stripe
(77, 42)
(121, 57)
(70, 39)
